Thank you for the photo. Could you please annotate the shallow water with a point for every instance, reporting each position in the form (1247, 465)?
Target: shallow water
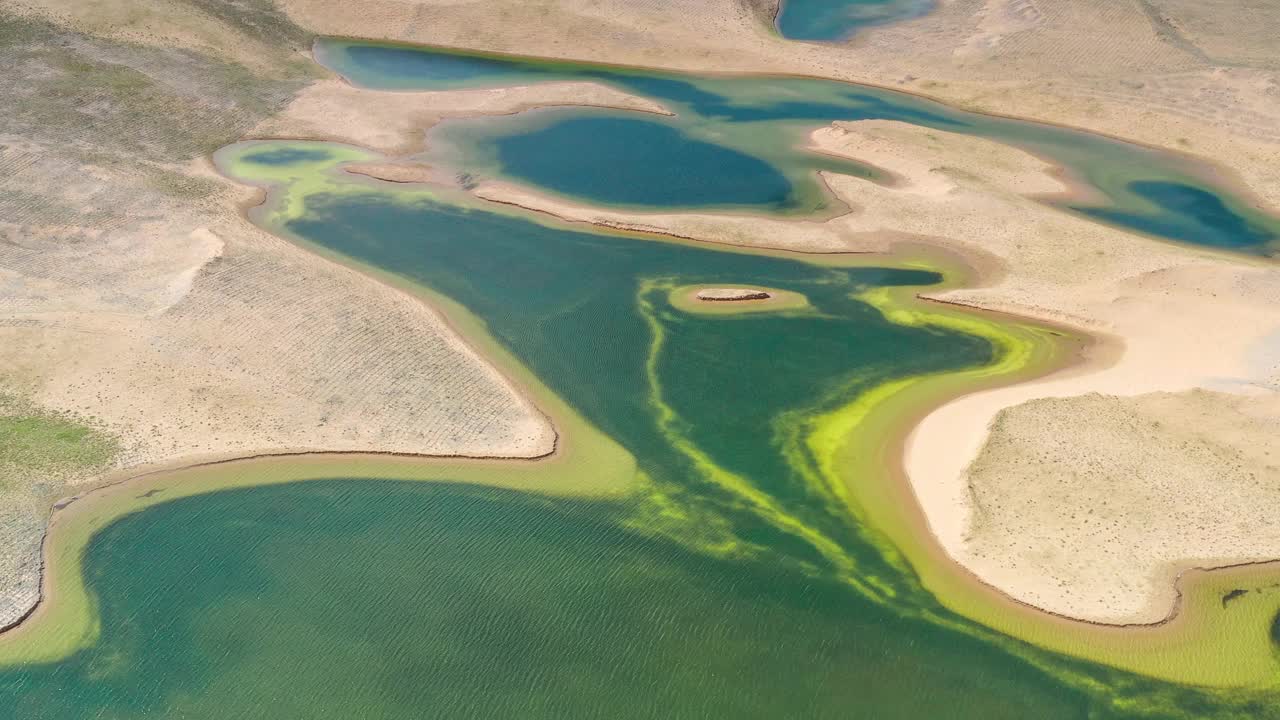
(733, 581)
(769, 119)
(448, 601)
(832, 20)
(563, 156)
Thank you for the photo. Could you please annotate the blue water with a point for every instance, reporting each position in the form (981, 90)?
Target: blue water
(833, 20)
(565, 157)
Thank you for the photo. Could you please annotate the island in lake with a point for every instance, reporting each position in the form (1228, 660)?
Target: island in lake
(731, 294)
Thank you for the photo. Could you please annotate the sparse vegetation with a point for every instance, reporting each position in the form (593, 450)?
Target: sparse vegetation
(146, 103)
(32, 439)
(258, 19)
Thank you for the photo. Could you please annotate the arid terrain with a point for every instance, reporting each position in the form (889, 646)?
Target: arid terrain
(139, 310)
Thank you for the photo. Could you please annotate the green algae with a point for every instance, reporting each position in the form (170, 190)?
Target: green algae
(826, 443)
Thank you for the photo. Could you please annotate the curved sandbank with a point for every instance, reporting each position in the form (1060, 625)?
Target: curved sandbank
(1099, 471)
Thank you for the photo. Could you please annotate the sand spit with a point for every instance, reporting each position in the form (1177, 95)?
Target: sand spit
(394, 172)
(1163, 304)
(731, 294)
(395, 122)
(736, 230)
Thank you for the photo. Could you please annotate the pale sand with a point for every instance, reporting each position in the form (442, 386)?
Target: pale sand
(731, 294)
(736, 230)
(395, 172)
(1164, 304)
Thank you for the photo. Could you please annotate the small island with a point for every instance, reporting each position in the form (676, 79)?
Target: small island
(731, 294)
(734, 299)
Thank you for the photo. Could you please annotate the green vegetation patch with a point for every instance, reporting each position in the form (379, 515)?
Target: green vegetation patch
(32, 439)
(40, 442)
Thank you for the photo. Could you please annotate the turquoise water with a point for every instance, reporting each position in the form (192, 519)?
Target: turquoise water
(446, 601)
(769, 118)
(564, 157)
(730, 583)
(833, 20)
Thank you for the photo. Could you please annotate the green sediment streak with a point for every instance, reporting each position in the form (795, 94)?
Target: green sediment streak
(760, 502)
